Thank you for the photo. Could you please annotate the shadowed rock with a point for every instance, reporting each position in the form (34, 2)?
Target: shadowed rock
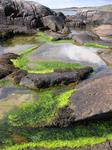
(6, 66)
(54, 79)
(23, 17)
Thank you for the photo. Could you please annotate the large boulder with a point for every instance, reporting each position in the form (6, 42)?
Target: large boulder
(23, 16)
(93, 100)
(55, 23)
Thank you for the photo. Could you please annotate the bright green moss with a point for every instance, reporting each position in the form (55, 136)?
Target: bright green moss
(41, 112)
(44, 66)
(74, 137)
(95, 45)
(41, 36)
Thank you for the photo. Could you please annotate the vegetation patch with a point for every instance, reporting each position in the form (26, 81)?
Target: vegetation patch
(43, 66)
(41, 112)
(95, 45)
(74, 137)
(5, 83)
(43, 37)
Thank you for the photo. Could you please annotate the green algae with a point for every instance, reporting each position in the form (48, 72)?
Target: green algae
(72, 137)
(95, 45)
(41, 112)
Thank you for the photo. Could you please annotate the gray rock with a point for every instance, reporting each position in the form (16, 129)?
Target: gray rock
(85, 37)
(106, 55)
(93, 100)
(53, 79)
(26, 17)
(54, 23)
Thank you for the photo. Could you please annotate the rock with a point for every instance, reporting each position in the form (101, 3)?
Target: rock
(25, 17)
(89, 17)
(17, 75)
(60, 14)
(6, 58)
(93, 101)
(57, 36)
(106, 55)
(6, 66)
(54, 23)
(85, 37)
(10, 56)
(53, 79)
(103, 30)
(6, 69)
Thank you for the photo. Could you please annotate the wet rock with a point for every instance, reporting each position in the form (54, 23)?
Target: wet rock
(6, 66)
(17, 75)
(57, 36)
(54, 79)
(10, 56)
(6, 58)
(6, 69)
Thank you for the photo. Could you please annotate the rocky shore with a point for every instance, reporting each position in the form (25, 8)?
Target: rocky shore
(57, 94)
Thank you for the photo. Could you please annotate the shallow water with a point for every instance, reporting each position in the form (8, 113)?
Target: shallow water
(70, 53)
(18, 44)
(67, 12)
(65, 51)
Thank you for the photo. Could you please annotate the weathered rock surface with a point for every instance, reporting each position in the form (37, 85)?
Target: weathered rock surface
(103, 30)
(85, 37)
(85, 17)
(106, 55)
(6, 66)
(94, 99)
(26, 16)
(53, 79)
